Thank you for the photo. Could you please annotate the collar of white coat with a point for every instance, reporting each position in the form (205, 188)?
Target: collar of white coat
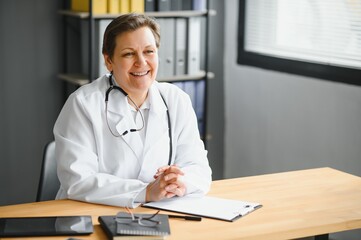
(118, 101)
(120, 118)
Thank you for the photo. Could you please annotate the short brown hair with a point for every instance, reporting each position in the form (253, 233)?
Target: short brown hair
(126, 23)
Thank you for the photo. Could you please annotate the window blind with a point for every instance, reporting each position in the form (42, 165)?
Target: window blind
(315, 31)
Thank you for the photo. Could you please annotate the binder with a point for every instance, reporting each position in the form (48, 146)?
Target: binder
(187, 4)
(113, 6)
(73, 51)
(176, 5)
(190, 89)
(200, 88)
(180, 46)
(137, 6)
(124, 6)
(100, 27)
(99, 68)
(99, 6)
(196, 91)
(194, 45)
(163, 5)
(199, 5)
(179, 84)
(84, 46)
(150, 6)
(167, 48)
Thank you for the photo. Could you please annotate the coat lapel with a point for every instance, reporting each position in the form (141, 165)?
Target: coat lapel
(156, 149)
(120, 120)
(157, 119)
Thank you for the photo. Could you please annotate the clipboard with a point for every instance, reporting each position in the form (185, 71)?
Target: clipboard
(210, 207)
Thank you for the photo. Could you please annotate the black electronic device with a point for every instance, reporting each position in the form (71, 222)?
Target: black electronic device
(45, 226)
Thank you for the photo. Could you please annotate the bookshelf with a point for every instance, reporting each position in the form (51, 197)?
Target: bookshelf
(82, 77)
(185, 13)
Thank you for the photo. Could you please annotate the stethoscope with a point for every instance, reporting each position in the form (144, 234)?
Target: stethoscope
(112, 87)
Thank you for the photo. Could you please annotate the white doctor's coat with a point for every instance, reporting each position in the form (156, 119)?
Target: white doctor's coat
(95, 166)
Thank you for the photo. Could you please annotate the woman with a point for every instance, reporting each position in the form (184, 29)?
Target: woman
(125, 139)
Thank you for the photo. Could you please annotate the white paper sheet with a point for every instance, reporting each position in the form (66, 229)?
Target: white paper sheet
(212, 207)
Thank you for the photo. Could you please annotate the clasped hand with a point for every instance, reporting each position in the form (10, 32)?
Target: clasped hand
(167, 184)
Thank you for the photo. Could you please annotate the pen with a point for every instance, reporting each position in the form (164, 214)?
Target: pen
(191, 218)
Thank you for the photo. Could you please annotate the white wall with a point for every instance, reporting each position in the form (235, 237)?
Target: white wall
(278, 122)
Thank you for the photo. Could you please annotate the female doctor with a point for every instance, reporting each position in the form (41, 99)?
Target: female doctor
(126, 139)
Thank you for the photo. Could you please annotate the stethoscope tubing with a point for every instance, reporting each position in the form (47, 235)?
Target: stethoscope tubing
(112, 87)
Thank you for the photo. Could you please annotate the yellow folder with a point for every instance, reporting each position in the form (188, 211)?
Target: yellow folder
(137, 6)
(113, 6)
(99, 6)
(124, 6)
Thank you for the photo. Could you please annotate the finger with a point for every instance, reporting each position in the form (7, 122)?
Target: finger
(162, 169)
(156, 190)
(169, 195)
(174, 170)
(171, 187)
(171, 177)
(156, 175)
(174, 190)
(181, 188)
(179, 192)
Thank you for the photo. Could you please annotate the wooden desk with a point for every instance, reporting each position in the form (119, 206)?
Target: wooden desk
(295, 204)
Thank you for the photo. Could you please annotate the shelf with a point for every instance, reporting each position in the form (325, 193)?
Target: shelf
(82, 79)
(192, 77)
(190, 13)
(76, 79)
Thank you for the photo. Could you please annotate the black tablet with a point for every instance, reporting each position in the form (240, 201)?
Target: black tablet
(45, 226)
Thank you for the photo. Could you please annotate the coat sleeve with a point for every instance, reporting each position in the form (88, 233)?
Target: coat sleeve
(190, 153)
(78, 163)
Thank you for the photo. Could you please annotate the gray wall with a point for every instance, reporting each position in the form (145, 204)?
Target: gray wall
(279, 122)
(30, 93)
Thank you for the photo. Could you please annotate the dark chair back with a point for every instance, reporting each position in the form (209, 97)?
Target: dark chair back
(49, 183)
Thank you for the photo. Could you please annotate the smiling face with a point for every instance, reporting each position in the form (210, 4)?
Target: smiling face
(135, 62)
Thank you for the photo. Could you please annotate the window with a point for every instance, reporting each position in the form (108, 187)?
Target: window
(314, 38)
